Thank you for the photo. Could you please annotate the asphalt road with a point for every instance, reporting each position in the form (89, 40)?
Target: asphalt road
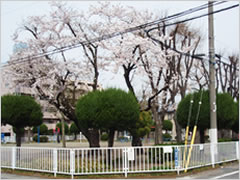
(229, 171)
(233, 175)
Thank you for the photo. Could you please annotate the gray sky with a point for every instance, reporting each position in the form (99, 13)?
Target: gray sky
(226, 24)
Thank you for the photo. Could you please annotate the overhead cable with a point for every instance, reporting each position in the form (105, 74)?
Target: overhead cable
(108, 36)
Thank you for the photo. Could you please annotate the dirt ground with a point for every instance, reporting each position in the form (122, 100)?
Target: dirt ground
(77, 144)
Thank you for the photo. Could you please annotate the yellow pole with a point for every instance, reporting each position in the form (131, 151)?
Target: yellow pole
(185, 148)
(190, 150)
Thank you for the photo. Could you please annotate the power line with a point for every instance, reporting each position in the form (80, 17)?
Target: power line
(186, 20)
(197, 17)
(227, 64)
(108, 36)
(188, 54)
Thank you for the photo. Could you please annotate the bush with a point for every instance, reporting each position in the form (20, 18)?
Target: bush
(59, 125)
(50, 132)
(42, 138)
(167, 137)
(104, 137)
(224, 139)
(167, 125)
(43, 129)
(74, 129)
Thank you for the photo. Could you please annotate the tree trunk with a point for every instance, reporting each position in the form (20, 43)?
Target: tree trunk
(158, 128)
(197, 137)
(127, 71)
(136, 141)
(29, 131)
(93, 138)
(18, 137)
(92, 135)
(63, 132)
(178, 128)
(202, 138)
(111, 138)
(75, 136)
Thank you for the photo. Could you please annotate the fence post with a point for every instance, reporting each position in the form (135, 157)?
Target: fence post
(72, 162)
(55, 162)
(125, 168)
(13, 157)
(237, 149)
(212, 154)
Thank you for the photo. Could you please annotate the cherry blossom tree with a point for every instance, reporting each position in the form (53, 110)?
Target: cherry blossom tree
(173, 43)
(125, 50)
(227, 75)
(155, 57)
(137, 54)
(51, 76)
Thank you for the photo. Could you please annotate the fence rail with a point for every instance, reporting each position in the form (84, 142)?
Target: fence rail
(84, 161)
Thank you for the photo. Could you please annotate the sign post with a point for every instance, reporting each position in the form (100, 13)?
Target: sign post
(2, 137)
(176, 159)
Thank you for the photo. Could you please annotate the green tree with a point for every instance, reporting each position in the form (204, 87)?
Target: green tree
(43, 129)
(225, 111)
(20, 112)
(108, 110)
(142, 128)
(74, 130)
(235, 126)
(167, 125)
(66, 128)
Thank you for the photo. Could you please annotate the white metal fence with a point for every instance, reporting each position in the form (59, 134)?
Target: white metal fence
(84, 161)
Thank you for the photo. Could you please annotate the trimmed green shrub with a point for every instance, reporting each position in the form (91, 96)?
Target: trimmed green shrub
(50, 132)
(224, 139)
(43, 129)
(167, 125)
(66, 128)
(42, 138)
(104, 137)
(167, 137)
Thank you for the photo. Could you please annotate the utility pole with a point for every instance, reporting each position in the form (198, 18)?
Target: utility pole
(212, 62)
